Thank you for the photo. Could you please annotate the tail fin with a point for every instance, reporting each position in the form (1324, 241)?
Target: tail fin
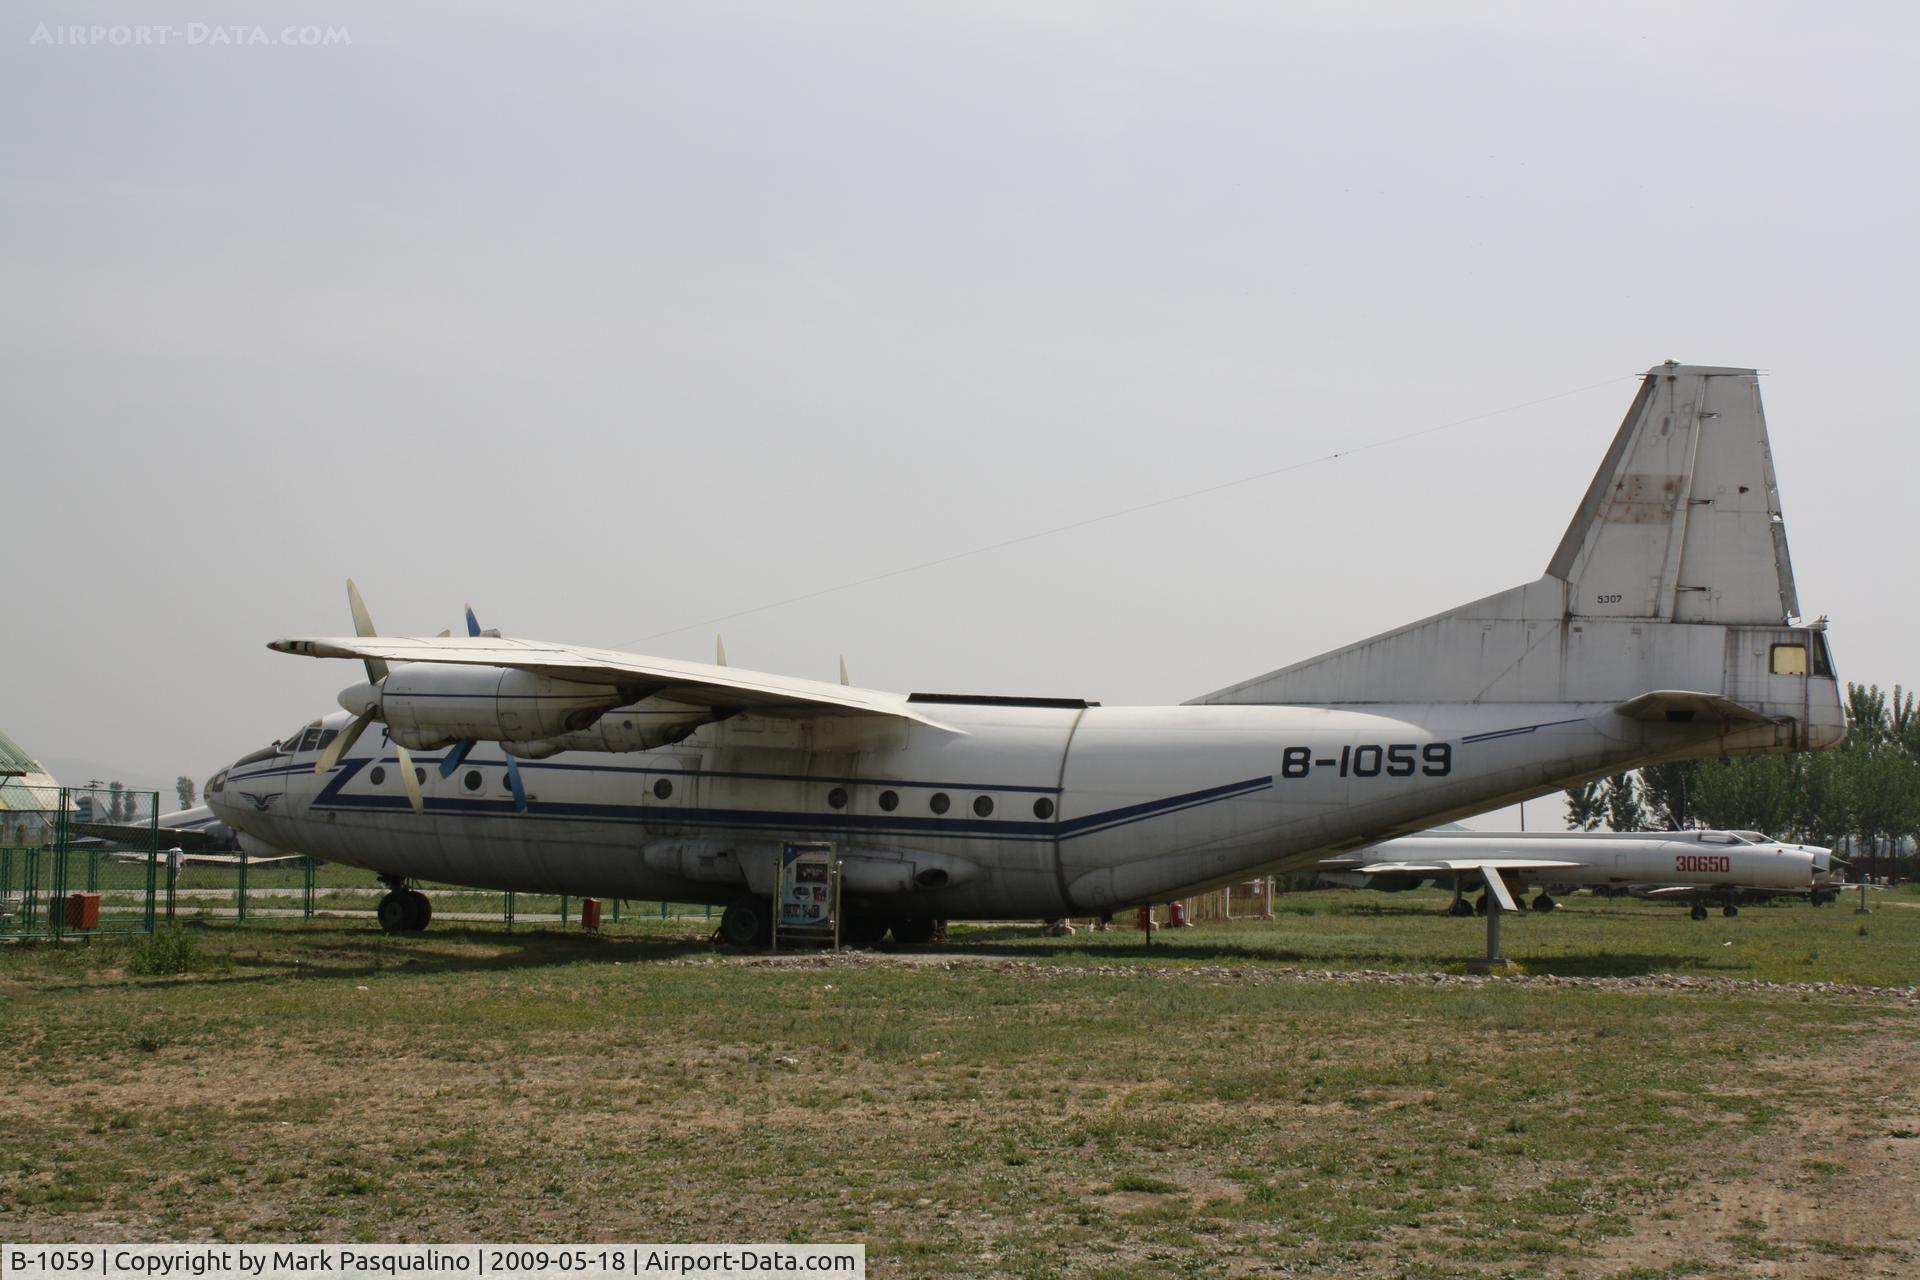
(1672, 576)
(1682, 521)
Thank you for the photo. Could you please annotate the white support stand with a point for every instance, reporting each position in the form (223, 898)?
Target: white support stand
(1498, 902)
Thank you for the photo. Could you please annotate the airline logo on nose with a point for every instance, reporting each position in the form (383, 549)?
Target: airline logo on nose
(258, 801)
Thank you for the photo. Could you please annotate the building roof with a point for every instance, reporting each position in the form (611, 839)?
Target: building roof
(34, 790)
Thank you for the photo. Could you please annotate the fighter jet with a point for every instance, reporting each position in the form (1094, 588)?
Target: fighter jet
(1690, 865)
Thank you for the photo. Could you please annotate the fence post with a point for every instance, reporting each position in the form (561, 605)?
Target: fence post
(508, 911)
(307, 887)
(566, 907)
(241, 912)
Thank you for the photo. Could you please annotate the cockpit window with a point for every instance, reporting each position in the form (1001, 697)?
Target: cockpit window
(302, 739)
(1756, 837)
(1822, 660)
(1718, 837)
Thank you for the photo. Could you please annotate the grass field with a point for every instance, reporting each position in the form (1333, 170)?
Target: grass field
(1013, 1105)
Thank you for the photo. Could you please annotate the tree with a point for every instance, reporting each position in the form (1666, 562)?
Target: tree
(1623, 804)
(1751, 794)
(1665, 788)
(183, 787)
(116, 802)
(1586, 806)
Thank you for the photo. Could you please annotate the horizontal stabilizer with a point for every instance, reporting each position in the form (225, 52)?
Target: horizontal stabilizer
(1678, 706)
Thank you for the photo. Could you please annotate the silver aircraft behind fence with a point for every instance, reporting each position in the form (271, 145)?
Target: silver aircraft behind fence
(1683, 865)
(1665, 627)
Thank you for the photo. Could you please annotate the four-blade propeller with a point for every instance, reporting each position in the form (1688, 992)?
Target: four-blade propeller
(376, 672)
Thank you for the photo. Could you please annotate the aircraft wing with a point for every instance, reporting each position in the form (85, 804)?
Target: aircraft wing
(1682, 706)
(188, 838)
(692, 682)
(211, 859)
(1450, 866)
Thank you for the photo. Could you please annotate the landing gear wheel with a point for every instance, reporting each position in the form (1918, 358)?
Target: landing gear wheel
(914, 931)
(747, 922)
(394, 911)
(862, 930)
(1544, 902)
(419, 911)
(1729, 910)
(1480, 905)
(1699, 912)
(1459, 907)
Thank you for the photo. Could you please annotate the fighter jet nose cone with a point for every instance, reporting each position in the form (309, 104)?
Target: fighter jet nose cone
(360, 699)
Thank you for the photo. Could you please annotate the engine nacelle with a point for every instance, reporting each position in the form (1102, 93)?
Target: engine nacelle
(426, 705)
(643, 726)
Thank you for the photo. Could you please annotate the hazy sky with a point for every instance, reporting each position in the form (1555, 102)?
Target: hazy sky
(614, 319)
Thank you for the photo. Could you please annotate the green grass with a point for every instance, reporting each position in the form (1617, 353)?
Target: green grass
(1586, 937)
(1068, 1107)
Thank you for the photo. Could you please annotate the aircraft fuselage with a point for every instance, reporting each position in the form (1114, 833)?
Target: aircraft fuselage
(1009, 811)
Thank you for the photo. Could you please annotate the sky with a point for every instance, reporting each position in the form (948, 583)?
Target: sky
(622, 322)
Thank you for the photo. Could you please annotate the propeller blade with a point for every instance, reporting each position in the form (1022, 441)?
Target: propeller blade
(473, 623)
(363, 627)
(519, 789)
(719, 650)
(454, 756)
(407, 776)
(342, 744)
(843, 670)
(444, 633)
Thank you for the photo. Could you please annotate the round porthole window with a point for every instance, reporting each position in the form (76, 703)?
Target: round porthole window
(939, 802)
(377, 775)
(1043, 808)
(889, 800)
(472, 780)
(983, 806)
(837, 798)
(662, 789)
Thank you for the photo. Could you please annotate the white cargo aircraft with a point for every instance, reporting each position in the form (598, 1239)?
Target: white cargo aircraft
(1666, 627)
(1692, 865)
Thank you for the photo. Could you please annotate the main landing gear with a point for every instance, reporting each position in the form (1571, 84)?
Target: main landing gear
(1699, 911)
(1544, 902)
(404, 910)
(747, 923)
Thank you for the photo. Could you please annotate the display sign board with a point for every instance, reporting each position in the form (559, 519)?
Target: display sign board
(807, 904)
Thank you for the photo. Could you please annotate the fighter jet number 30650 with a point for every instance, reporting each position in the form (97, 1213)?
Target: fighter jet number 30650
(1370, 760)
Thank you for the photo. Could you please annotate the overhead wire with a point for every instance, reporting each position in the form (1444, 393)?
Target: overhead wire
(1135, 509)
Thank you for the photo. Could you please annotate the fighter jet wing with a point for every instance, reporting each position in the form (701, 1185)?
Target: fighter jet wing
(1448, 866)
(691, 682)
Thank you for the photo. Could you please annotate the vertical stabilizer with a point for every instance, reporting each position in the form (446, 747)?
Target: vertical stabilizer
(1672, 578)
(1682, 521)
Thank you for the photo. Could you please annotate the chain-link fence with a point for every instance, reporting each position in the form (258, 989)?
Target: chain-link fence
(78, 861)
